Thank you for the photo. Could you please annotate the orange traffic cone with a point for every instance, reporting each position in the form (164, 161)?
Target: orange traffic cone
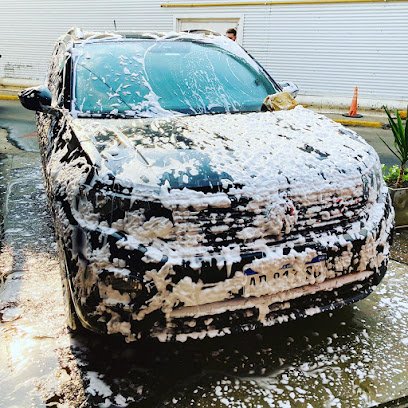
(353, 107)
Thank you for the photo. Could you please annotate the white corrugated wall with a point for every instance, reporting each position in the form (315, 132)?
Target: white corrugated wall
(326, 49)
(29, 28)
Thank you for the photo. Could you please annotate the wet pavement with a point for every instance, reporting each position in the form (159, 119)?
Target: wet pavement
(19, 124)
(354, 357)
(373, 137)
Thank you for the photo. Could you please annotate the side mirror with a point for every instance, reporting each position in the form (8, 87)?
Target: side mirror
(37, 98)
(289, 87)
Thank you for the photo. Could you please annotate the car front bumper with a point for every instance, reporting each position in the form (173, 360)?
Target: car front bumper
(118, 287)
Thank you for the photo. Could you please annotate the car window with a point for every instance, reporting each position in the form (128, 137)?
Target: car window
(150, 78)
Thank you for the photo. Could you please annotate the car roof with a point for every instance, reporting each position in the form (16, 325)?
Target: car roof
(76, 35)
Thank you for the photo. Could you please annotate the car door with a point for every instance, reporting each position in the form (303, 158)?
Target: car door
(50, 124)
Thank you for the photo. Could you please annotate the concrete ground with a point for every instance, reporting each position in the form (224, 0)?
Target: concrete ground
(354, 357)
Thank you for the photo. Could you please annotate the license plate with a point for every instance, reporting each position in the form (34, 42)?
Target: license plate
(264, 281)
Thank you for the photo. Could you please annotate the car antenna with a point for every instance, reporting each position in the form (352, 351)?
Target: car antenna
(114, 23)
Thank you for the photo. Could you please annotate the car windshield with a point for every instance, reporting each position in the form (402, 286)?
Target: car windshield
(153, 78)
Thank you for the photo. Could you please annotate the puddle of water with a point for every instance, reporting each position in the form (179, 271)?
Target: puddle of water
(31, 312)
(3, 189)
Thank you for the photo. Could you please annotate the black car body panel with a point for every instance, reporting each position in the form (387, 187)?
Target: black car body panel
(187, 226)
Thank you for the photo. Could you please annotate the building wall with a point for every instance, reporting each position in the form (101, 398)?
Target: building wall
(326, 49)
(29, 28)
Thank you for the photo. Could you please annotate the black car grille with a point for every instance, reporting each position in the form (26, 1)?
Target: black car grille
(220, 227)
(208, 230)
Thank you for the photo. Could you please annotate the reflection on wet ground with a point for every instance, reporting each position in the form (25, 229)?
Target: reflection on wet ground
(355, 357)
(3, 189)
(20, 126)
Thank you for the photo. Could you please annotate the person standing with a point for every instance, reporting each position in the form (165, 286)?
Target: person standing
(231, 33)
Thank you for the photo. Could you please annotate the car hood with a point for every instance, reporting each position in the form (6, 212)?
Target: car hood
(294, 149)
